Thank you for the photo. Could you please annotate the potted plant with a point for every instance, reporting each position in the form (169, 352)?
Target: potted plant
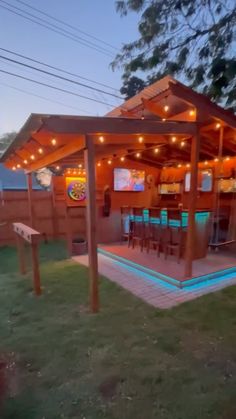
(79, 246)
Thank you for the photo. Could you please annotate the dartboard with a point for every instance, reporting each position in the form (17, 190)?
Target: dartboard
(77, 190)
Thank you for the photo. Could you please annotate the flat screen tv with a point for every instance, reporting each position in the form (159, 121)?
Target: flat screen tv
(205, 181)
(131, 180)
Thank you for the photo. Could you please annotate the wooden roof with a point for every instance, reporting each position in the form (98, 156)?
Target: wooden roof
(163, 115)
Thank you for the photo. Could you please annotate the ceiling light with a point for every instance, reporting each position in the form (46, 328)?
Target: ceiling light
(179, 165)
(227, 158)
(140, 139)
(173, 139)
(216, 159)
(163, 119)
(80, 165)
(182, 144)
(53, 141)
(99, 164)
(18, 166)
(191, 112)
(101, 139)
(188, 165)
(14, 168)
(32, 157)
(122, 159)
(57, 167)
(166, 108)
(218, 125)
(25, 161)
(40, 150)
(138, 155)
(109, 162)
(156, 150)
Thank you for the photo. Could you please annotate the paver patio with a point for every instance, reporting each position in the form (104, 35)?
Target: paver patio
(150, 289)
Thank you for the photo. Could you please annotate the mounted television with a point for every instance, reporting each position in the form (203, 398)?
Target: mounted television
(205, 181)
(131, 180)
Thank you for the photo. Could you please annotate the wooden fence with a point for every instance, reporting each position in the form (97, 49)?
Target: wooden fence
(50, 216)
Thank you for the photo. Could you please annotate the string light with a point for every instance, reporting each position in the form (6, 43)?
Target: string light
(166, 108)
(140, 139)
(68, 171)
(74, 172)
(142, 117)
(57, 167)
(179, 165)
(206, 162)
(138, 155)
(163, 119)
(188, 165)
(227, 158)
(156, 150)
(182, 144)
(53, 141)
(32, 157)
(216, 159)
(99, 164)
(173, 139)
(80, 166)
(18, 166)
(84, 173)
(109, 162)
(14, 168)
(101, 139)
(25, 162)
(218, 125)
(40, 150)
(122, 158)
(191, 112)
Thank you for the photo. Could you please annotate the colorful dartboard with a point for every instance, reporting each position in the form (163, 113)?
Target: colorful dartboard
(76, 190)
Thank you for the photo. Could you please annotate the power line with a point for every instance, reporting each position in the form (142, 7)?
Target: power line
(58, 30)
(57, 69)
(55, 88)
(44, 98)
(59, 77)
(67, 24)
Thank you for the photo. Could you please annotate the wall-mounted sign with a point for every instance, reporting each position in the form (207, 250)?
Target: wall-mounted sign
(76, 190)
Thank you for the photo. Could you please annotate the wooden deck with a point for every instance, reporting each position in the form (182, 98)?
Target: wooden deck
(214, 265)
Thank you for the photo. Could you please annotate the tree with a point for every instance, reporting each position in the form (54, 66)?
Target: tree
(5, 140)
(194, 40)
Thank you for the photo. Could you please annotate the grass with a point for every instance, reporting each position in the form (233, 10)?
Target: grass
(129, 361)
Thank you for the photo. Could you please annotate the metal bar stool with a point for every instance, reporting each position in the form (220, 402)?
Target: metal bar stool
(126, 226)
(174, 243)
(138, 227)
(154, 236)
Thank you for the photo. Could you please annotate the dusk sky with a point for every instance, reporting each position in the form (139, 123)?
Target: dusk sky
(96, 17)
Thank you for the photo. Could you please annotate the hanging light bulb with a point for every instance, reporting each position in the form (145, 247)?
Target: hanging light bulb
(182, 144)
(227, 158)
(99, 164)
(18, 166)
(57, 167)
(191, 112)
(188, 165)
(156, 150)
(122, 158)
(140, 139)
(173, 139)
(80, 165)
(218, 125)
(32, 157)
(179, 165)
(101, 139)
(166, 108)
(109, 161)
(163, 119)
(25, 161)
(206, 162)
(216, 159)
(53, 141)
(40, 150)
(14, 168)
(138, 155)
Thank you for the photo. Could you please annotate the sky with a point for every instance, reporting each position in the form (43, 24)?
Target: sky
(95, 17)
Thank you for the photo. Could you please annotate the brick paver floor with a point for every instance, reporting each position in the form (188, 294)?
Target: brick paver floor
(150, 289)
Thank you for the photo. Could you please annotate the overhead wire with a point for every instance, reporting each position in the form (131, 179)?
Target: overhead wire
(54, 28)
(55, 87)
(57, 68)
(44, 98)
(67, 24)
(59, 77)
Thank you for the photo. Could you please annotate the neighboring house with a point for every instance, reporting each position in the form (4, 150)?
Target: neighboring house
(10, 180)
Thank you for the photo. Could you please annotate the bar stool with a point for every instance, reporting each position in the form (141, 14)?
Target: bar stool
(138, 227)
(154, 237)
(174, 243)
(126, 225)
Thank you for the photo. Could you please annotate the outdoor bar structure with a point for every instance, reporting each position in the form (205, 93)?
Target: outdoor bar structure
(155, 176)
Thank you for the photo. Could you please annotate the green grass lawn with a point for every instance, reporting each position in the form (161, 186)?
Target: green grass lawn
(130, 361)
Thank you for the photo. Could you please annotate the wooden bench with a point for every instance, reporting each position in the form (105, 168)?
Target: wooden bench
(24, 234)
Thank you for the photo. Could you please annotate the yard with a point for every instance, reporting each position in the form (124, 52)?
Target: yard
(130, 361)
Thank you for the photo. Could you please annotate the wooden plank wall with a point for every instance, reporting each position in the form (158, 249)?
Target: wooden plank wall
(49, 219)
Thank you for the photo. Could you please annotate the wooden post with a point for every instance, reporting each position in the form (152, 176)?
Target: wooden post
(35, 266)
(91, 224)
(192, 205)
(30, 199)
(68, 230)
(54, 212)
(21, 254)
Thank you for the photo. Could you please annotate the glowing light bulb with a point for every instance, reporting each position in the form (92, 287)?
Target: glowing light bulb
(182, 144)
(101, 139)
(140, 139)
(57, 167)
(138, 155)
(156, 150)
(80, 165)
(14, 168)
(173, 139)
(32, 157)
(163, 119)
(179, 165)
(216, 159)
(109, 162)
(40, 150)
(187, 165)
(53, 141)
(166, 108)
(206, 162)
(122, 159)
(227, 158)
(25, 161)
(18, 166)
(218, 125)
(191, 112)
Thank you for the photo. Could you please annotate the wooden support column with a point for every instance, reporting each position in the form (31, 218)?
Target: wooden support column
(30, 199)
(68, 230)
(35, 266)
(55, 229)
(190, 241)
(21, 254)
(89, 157)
